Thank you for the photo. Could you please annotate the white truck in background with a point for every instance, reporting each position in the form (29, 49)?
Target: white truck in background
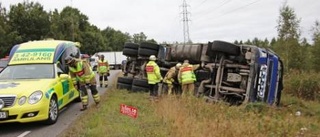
(114, 59)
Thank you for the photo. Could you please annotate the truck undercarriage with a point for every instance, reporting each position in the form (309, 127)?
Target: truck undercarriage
(233, 73)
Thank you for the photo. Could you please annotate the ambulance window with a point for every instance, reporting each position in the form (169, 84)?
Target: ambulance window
(59, 71)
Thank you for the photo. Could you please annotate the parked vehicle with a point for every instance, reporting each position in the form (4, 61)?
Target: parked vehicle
(3, 63)
(35, 85)
(114, 59)
(233, 73)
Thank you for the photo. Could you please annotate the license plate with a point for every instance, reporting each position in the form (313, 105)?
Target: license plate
(3, 114)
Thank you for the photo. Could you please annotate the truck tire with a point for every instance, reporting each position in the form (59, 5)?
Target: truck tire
(131, 45)
(140, 83)
(130, 52)
(124, 86)
(163, 71)
(125, 80)
(202, 75)
(147, 52)
(147, 45)
(225, 47)
(137, 89)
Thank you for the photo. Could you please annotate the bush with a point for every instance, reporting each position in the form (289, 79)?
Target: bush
(303, 85)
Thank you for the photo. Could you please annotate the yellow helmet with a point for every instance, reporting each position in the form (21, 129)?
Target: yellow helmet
(77, 44)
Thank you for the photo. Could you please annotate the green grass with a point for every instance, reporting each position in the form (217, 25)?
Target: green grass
(107, 121)
(192, 117)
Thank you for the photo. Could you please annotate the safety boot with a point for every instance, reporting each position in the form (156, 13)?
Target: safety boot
(84, 107)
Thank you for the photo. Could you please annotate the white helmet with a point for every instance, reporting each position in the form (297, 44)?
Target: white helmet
(153, 57)
(178, 65)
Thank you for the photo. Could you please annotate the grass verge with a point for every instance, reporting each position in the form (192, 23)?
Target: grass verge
(192, 117)
(106, 121)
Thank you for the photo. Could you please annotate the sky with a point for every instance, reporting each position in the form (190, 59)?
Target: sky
(210, 20)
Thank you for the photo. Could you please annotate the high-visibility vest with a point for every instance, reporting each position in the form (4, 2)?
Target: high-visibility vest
(153, 73)
(81, 74)
(187, 75)
(103, 66)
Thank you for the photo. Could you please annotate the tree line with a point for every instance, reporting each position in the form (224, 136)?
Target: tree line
(297, 54)
(28, 21)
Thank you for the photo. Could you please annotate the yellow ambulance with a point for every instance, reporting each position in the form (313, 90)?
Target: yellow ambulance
(35, 85)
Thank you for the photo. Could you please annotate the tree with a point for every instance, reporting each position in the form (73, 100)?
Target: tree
(248, 42)
(115, 38)
(288, 35)
(139, 37)
(30, 20)
(7, 38)
(236, 42)
(315, 52)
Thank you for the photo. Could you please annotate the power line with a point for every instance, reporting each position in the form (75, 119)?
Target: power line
(240, 7)
(185, 19)
(215, 9)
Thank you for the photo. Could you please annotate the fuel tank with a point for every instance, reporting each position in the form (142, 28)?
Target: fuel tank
(182, 52)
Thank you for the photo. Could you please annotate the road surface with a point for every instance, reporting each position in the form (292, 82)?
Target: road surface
(66, 117)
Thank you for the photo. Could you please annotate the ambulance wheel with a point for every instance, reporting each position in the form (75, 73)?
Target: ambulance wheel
(53, 112)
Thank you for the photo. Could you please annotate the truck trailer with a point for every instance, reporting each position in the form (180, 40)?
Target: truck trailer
(114, 59)
(228, 72)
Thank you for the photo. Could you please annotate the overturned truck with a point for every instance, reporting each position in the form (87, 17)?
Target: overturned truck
(233, 73)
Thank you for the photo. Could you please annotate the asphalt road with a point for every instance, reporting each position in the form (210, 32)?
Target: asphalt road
(66, 117)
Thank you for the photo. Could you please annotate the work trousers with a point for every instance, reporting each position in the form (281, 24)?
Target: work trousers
(153, 89)
(187, 89)
(84, 94)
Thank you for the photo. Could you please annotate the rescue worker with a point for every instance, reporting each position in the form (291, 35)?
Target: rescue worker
(103, 71)
(154, 76)
(171, 78)
(81, 73)
(187, 77)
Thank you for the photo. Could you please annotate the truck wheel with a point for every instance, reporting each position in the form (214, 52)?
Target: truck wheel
(124, 86)
(225, 47)
(125, 80)
(202, 75)
(137, 89)
(130, 52)
(131, 45)
(163, 71)
(147, 45)
(278, 99)
(147, 52)
(140, 83)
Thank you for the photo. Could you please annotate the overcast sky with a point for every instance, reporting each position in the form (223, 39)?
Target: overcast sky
(161, 20)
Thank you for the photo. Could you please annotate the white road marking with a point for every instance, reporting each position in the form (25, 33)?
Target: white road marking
(24, 134)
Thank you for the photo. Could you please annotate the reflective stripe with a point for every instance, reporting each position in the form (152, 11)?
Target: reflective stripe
(153, 72)
(84, 100)
(80, 73)
(103, 66)
(150, 69)
(187, 75)
(96, 98)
